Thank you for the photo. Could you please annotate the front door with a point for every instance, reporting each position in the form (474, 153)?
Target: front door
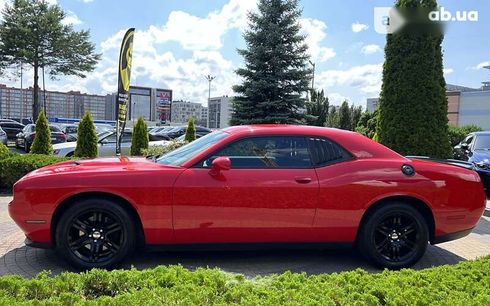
(270, 194)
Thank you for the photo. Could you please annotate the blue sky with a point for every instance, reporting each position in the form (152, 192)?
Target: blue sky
(179, 41)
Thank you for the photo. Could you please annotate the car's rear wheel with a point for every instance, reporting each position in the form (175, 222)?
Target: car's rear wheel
(95, 233)
(394, 236)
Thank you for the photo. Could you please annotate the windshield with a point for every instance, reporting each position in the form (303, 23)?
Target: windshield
(482, 142)
(183, 154)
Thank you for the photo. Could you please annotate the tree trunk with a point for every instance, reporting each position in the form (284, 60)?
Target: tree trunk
(35, 100)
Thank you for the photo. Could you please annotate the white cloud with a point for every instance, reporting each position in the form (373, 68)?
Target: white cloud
(448, 71)
(314, 30)
(71, 18)
(481, 65)
(370, 49)
(87, 1)
(365, 78)
(358, 27)
(337, 99)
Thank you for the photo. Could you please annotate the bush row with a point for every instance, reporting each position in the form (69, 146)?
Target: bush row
(466, 283)
(15, 166)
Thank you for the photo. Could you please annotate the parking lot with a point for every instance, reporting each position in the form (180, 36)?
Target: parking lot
(16, 258)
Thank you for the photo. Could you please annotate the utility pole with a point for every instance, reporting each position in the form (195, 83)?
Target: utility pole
(44, 96)
(210, 79)
(313, 77)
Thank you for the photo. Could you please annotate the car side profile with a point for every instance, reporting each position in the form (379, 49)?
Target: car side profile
(26, 137)
(266, 185)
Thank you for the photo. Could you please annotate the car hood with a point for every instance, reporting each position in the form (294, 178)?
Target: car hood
(64, 145)
(100, 166)
(480, 156)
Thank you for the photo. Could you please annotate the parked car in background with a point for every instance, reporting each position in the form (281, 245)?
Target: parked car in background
(177, 131)
(26, 136)
(159, 133)
(70, 131)
(262, 184)
(106, 144)
(102, 127)
(12, 128)
(3, 137)
(475, 148)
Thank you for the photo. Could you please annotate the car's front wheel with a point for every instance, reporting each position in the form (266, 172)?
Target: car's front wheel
(394, 236)
(95, 233)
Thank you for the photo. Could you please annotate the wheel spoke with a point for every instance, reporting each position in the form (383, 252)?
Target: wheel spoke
(115, 227)
(113, 248)
(80, 225)
(382, 245)
(408, 229)
(383, 230)
(83, 241)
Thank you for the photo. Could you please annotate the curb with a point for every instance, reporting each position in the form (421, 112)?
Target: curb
(486, 213)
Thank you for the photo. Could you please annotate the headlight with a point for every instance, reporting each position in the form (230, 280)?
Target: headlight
(483, 165)
(56, 152)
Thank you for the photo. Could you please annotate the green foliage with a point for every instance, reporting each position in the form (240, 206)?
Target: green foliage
(345, 121)
(139, 140)
(42, 141)
(465, 283)
(160, 150)
(367, 124)
(413, 104)
(276, 72)
(355, 116)
(86, 138)
(317, 108)
(333, 118)
(4, 151)
(457, 134)
(190, 132)
(18, 165)
(34, 33)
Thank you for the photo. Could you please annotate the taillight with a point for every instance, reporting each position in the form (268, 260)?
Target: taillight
(63, 136)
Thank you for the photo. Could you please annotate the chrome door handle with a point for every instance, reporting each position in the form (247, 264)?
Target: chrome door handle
(302, 179)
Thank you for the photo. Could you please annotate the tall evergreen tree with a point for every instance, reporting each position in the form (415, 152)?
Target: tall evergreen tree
(333, 118)
(86, 138)
(317, 108)
(345, 121)
(33, 33)
(276, 74)
(140, 137)
(42, 141)
(355, 116)
(413, 104)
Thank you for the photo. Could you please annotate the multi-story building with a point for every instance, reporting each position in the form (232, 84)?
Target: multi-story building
(219, 112)
(153, 104)
(465, 105)
(183, 110)
(17, 103)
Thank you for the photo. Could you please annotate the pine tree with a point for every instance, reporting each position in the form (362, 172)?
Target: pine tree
(190, 132)
(276, 75)
(333, 118)
(139, 140)
(317, 109)
(413, 104)
(86, 138)
(42, 140)
(345, 121)
(355, 115)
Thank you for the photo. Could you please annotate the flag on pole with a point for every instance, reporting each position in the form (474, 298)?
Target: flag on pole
(125, 59)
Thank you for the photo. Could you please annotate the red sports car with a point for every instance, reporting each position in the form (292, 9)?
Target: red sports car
(244, 185)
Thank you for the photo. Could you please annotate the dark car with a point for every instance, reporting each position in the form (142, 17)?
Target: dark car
(176, 132)
(159, 133)
(70, 131)
(27, 135)
(475, 148)
(11, 127)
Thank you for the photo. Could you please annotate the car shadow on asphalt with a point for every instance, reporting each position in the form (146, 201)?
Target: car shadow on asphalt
(28, 262)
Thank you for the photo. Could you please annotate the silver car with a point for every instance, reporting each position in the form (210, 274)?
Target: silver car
(3, 136)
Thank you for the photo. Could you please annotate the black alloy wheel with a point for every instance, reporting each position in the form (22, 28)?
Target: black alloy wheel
(95, 233)
(394, 236)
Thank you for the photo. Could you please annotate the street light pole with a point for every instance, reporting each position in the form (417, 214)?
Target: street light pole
(210, 79)
(313, 77)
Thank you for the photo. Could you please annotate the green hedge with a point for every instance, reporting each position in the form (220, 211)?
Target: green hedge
(160, 150)
(457, 134)
(18, 165)
(466, 283)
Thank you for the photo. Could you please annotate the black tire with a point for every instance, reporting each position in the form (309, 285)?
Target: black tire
(27, 147)
(95, 233)
(393, 236)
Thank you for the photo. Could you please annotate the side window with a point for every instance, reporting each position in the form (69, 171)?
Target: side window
(265, 153)
(324, 151)
(126, 137)
(469, 139)
(111, 138)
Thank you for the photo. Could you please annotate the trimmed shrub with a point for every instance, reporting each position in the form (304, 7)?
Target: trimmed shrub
(466, 283)
(42, 141)
(139, 140)
(4, 151)
(160, 150)
(457, 134)
(190, 132)
(86, 138)
(18, 165)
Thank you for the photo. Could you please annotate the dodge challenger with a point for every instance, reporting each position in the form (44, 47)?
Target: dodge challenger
(262, 186)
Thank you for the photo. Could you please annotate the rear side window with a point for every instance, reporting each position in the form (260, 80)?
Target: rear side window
(324, 152)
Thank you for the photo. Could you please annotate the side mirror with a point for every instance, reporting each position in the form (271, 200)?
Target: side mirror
(219, 164)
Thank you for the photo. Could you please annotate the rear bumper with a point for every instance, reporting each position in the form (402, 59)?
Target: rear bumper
(39, 245)
(452, 236)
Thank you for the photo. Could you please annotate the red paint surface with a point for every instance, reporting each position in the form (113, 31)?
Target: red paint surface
(188, 205)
